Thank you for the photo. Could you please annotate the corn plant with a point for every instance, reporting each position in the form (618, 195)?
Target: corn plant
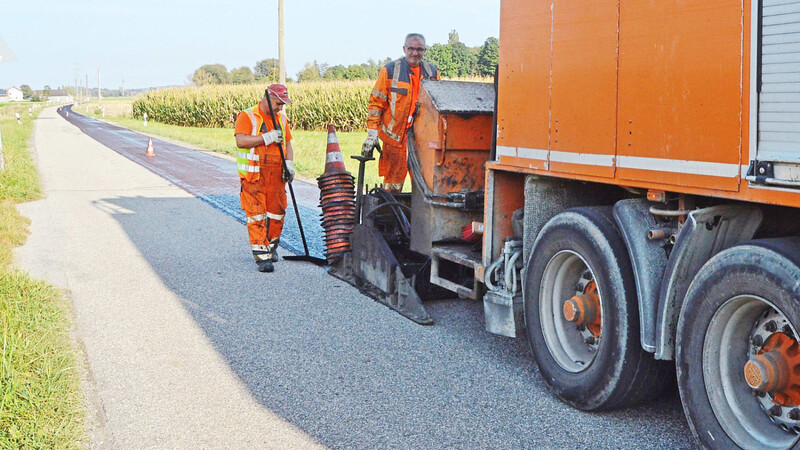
(314, 105)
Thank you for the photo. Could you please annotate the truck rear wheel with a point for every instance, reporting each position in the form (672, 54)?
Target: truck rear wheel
(582, 317)
(738, 359)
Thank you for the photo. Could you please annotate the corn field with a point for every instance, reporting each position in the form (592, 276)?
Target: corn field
(314, 105)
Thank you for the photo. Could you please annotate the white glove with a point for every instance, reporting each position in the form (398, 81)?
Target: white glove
(272, 137)
(288, 174)
(370, 142)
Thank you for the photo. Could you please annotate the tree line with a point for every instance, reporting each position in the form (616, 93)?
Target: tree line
(454, 59)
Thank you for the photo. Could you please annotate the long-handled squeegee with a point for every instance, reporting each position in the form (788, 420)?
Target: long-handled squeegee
(307, 256)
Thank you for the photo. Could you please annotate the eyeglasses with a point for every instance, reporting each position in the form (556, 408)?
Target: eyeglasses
(416, 49)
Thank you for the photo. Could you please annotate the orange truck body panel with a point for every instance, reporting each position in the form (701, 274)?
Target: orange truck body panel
(640, 93)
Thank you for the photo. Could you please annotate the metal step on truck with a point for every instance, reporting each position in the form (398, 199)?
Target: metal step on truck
(635, 174)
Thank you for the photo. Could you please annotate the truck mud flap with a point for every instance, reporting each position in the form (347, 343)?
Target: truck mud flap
(373, 268)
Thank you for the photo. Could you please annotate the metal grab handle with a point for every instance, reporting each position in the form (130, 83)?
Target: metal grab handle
(440, 162)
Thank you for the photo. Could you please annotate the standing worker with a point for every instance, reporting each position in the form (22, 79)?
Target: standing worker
(262, 174)
(392, 105)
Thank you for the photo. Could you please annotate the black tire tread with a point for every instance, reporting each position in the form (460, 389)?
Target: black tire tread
(775, 256)
(644, 377)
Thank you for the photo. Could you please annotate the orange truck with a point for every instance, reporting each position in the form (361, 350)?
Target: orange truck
(640, 216)
(635, 175)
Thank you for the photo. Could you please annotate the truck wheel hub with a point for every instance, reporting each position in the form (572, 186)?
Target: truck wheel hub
(773, 369)
(583, 309)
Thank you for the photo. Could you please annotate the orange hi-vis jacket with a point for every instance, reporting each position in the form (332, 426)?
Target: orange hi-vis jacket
(390, 103)
(248, 162)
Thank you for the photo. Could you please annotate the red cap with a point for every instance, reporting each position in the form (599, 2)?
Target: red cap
(280, 91)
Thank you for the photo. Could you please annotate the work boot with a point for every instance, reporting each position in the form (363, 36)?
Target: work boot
(265, 266)
(274, 250)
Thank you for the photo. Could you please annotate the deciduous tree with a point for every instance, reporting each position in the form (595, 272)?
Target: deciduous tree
(267, 68)
(242, 75)
(488, 56)
(27, 92)
(310, 72)
(211, 74)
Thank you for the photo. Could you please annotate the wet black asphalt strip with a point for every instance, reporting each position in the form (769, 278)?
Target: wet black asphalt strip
(210, 178)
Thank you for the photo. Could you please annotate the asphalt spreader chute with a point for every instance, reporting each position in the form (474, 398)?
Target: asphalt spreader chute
(371, 254)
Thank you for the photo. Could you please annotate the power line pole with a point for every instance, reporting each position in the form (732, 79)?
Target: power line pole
(88, 93)
(99, 94)
(281, 55)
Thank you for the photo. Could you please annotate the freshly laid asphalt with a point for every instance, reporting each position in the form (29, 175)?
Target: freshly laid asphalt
(186, 345)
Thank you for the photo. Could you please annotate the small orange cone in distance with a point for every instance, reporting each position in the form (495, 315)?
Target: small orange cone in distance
(150, 151)
(334, 161)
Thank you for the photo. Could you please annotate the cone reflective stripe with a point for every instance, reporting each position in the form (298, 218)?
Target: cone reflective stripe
(150, 151)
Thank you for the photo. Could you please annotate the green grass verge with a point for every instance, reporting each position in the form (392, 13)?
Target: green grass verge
(309, 146)
(41, 405)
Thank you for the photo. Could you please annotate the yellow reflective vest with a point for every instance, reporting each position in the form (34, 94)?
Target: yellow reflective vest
(248, 162)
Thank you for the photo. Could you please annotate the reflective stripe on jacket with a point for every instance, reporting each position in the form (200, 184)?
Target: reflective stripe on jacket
(390, 101)
(248, 161)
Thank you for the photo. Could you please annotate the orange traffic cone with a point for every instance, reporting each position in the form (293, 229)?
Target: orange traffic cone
(150, 151)
(334, 161)
(337, 200)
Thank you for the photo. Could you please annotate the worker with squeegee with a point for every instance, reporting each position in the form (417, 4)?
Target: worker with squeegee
(392, 106)
(263, 171)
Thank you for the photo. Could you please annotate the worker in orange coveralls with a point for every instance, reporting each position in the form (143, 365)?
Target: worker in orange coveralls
(262, 173)
(392, 105)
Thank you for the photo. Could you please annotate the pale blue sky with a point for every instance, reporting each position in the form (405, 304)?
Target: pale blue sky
(151, 43)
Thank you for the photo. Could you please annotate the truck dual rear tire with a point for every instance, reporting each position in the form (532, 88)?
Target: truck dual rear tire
(580, 255)
(738, 300)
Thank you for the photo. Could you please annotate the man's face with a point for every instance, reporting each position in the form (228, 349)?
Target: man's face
(414, 50)
(277, 104)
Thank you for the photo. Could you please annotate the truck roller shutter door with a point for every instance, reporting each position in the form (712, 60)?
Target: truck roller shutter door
(779, 99)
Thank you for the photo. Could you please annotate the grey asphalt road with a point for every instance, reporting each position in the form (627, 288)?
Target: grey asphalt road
(187, 346)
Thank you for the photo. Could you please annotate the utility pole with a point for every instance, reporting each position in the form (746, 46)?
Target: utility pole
(281, 55)
(99, 94)
(88, 93)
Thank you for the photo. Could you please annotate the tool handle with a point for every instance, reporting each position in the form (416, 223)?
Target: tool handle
(286, 169)
(360, 189)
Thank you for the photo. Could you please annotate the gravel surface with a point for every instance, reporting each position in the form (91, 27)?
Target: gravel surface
(188, 346)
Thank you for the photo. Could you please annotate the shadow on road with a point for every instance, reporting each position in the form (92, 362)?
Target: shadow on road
(352, 373)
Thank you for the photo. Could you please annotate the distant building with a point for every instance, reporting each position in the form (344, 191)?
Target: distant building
(56, 96)
(12, 94)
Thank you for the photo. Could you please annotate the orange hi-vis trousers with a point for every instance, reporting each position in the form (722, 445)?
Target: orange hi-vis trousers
(392, 166)
(264, 204)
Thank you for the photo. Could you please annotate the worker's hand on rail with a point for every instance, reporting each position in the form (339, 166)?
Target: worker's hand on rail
(369, 143)
(272, 137)
(288, 173)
